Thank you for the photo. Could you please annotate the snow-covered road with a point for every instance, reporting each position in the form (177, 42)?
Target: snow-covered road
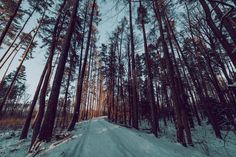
(103, 139)
(100, 138)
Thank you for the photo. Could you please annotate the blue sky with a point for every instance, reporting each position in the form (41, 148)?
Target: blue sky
(110, 17)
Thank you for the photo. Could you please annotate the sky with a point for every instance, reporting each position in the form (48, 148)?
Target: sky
(110, 14)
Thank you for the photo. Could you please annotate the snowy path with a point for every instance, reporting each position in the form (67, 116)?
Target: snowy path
(99, 138)
(103, 139)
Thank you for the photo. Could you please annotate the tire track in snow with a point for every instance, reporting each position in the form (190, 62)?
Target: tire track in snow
(78, 148)
(121, 145)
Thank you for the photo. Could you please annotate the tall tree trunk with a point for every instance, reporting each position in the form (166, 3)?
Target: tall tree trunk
(25, 129)
(6, 71)
(154, 118)
(225, 21)
(82, 40)
(123, 102)
(119, 75)
(49, 118)
(81, 77)
(18, 34)
(218, 90)
(134, 77)
(90, 78)
(42, 83)
(184, 106)
(130, 97)
(19, 45)
(87, 90)
(230, 49)
(66, 92)
(171, 77)
(5, 30)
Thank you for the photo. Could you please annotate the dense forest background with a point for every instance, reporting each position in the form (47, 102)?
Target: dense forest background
(166, 62)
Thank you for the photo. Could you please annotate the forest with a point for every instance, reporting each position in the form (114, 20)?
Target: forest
(117, 78)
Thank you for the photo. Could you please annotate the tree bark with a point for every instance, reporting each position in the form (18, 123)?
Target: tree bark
(25, 129)
(226, 21)
(154, 117)
(171, 77)
(134, 77)
(49, 118)
(5, 30)
(230, 49)
(18, 34)
(81, 77)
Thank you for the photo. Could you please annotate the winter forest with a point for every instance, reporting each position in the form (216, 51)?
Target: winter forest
(118, 78)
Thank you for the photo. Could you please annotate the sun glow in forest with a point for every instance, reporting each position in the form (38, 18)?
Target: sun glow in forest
(118, 78)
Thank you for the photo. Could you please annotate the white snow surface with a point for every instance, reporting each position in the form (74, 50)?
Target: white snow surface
(232, 85)
(100, 138)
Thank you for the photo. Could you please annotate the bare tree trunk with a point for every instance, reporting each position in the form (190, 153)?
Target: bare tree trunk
(81, 77)
(183, 97)
(130, 97)
(5, 30)
(123, 102)
(18, 34)
(225, 21)
(230, 49)
(25, 129)
(45, 80)
(172, 78)
(154, 119)
(5, 73)
(119, 75)
(15, 49)
(218, 90)
(66, 93)
(134, 77)
(49, 118)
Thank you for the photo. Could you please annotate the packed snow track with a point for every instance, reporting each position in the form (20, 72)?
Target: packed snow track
(100, 138)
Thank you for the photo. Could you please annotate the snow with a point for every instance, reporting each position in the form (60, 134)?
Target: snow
(205, 141)
(100, 138)
(10, 145)
(232, 85)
